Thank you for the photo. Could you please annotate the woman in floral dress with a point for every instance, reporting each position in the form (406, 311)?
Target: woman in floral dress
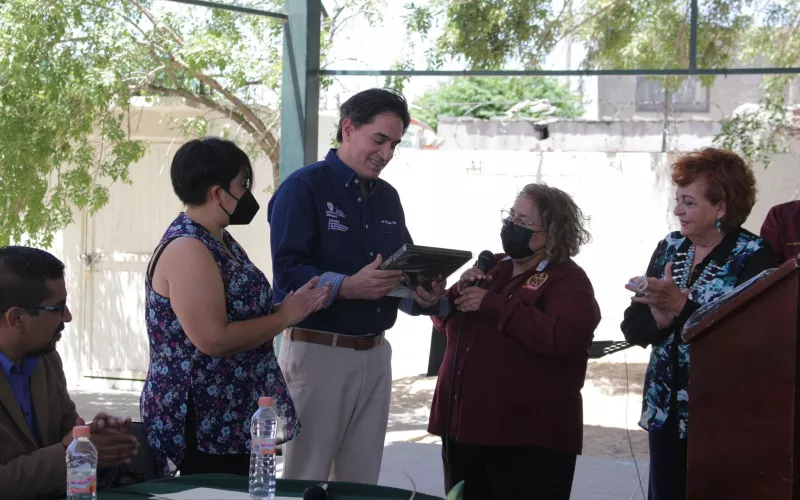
(707, 258)
(211, 320)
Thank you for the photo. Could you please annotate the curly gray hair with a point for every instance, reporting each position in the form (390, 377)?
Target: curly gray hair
(562, 219)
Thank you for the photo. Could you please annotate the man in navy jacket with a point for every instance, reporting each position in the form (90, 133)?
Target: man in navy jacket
(337, 219)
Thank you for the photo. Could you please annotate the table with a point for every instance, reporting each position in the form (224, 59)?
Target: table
(290, 488)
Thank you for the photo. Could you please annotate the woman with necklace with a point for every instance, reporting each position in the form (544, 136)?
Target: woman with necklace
(708, 257)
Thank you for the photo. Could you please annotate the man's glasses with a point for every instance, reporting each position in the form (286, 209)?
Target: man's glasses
(57, 309)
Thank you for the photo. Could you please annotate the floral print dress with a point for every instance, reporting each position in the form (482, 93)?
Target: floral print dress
(740, 256)
(225, 390)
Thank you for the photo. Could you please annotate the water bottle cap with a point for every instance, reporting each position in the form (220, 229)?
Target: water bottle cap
(81, 431)
(265, 402)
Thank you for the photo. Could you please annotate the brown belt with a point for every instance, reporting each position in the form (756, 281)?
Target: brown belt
(334, 339)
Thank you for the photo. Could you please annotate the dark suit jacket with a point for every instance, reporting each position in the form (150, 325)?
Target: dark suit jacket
(26, 470)
(782, 229)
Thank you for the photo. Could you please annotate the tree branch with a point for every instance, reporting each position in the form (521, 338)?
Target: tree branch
(238, 103)
(156, 24)
(266, 140)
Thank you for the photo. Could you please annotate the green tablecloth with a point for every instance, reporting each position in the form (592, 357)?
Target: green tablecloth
(336, 491)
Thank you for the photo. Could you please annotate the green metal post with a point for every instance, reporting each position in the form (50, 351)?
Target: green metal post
(300, 89)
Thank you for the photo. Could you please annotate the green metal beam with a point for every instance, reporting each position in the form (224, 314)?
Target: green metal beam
(559, 72)
(300, 86)
(233, 8)
(299, 90)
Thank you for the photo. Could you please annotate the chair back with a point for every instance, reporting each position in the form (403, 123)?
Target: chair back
(143, 466)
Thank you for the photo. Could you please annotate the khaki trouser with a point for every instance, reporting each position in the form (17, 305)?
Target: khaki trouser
(342, 399)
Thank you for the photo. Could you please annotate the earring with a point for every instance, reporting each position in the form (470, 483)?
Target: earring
(719, 225)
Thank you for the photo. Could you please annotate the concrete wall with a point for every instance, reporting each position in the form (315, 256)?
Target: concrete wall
(617, 97)
(575, 135)
(453, 199)
(612, 136)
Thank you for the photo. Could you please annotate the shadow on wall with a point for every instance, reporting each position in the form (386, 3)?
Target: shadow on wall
(116, 403)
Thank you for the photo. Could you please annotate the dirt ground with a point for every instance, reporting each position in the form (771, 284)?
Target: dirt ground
(611, 408)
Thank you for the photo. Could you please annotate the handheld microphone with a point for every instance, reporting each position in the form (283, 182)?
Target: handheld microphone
(484, 263)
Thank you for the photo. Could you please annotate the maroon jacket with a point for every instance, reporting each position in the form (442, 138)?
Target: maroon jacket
(782, 229)
(521, 360)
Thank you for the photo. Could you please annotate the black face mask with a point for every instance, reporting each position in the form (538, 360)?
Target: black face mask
(246, 209)
(516, 240)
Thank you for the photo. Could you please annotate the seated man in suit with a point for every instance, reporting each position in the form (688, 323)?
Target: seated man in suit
(782, 229)
(36, 412)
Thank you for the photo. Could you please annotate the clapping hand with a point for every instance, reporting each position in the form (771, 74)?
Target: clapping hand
(665, 298)
(308, 299)
(110, 437)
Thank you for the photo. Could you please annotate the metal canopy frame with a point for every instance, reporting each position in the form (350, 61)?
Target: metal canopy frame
(302, 72)
(233, 8)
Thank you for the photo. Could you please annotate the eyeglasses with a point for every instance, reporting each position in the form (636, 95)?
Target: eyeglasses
(58, 309)
(507, 218)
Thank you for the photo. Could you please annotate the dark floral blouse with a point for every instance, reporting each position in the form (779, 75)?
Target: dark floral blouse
(740, 256)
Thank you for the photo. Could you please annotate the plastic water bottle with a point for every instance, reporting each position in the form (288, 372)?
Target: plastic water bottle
(263, 433)
(81, 466)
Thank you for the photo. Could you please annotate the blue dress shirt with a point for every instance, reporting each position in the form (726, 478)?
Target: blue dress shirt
(322, 225)
(19, 380)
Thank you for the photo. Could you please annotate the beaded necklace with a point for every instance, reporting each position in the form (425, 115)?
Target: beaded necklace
(682, 268)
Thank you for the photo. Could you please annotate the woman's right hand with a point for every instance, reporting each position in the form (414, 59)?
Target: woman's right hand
(306, 300)
(469, 276)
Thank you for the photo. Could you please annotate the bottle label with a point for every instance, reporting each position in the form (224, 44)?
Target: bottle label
(263, 446)
(80, 482)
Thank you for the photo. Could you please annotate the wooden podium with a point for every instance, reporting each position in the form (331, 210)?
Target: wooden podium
(744, 401)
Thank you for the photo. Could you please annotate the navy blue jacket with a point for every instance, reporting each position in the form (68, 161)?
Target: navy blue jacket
(322, 225)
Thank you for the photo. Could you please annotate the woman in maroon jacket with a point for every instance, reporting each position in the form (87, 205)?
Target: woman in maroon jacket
(508, 401)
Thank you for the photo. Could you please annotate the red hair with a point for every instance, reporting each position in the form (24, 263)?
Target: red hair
(727, 179)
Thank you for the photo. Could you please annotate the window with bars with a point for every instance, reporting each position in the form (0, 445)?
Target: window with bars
(691, 96)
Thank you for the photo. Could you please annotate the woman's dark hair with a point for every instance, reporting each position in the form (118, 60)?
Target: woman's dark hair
(202, 163)
(365, 106)
(24, 273)
(562, 219)
(727, 178)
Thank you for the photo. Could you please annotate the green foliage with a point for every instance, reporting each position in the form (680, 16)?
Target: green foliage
(68, 70)
(761, 133)
(628, 34)
(62, 140)
(490, 97)
(489, 33)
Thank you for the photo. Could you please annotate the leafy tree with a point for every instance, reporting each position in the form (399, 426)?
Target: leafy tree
(68, 70)
(490, 97)
(630, 34)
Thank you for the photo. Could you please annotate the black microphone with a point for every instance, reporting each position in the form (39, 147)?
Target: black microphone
(484, 263)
